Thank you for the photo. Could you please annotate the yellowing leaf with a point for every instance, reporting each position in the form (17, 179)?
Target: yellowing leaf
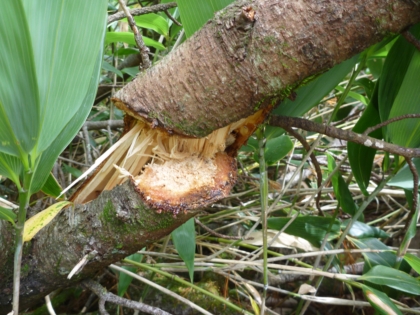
(379, 303)
(41, 219)
(254, 305)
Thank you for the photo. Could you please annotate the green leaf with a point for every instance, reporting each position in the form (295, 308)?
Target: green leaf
(392, 278)
(184, 241)
(195, 14)
(361, 157)
(362, 230)
(72, 170)
(132, 71)
(309, 95)
(404, 178)
(127, 37)
(65, 57)
(380, 301)
(412, 227)
(58, 64)
(154, 22)
(108, 67)
(373, 259)
(19, 98)
(368, 85)
(271, 132)
(356, 96)
(10, 167)
(47, 159)
(406, 133)
(51, 187)
(124, 280)
(413, 261)
(8, 215)
(34, 224)
(277, 148)
(312, 229)
(341, 190)
(398, 90)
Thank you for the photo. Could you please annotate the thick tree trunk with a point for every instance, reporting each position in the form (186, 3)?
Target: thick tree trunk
(113, 226)
(252, 54)
(248, 57)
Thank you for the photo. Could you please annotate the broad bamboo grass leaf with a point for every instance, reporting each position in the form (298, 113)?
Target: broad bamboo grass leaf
(65, 58)
(184, 241)
(72, 170)
(312, 229)
(380, 301)
(196, 13)
(379, 51)
(341, 190)
(413, 261)
(398, 91)
(404, 178)
(412, 227)
(51, 187)
(47, 159)
(373, 259)
(407, 132)
(362, 230)
(34, 224)
(108, 67)
(361, 157)
(276, 149)
(131, 71)
(10, 166)
(311, 94)
(8, 215)
(124, 280)
(354, 95)
(392, 278)
(154, 22)
(19, 97)
(58, 63)
(127, 37)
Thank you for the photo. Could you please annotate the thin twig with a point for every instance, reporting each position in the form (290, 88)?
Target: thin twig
(389, 121)
(172, 18)
(88, 150)
(142, 11)
(144, 50)
(314, 162)
(96, 125)
(411, 39)
(288, 122)
(220, 235)
(105, 296)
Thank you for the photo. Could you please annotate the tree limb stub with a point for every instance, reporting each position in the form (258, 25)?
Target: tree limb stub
(108, 229)
(254, 53)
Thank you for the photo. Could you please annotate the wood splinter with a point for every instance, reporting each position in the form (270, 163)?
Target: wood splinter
(172, 172)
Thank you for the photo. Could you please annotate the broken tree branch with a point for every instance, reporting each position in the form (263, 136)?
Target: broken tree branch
(348, 135)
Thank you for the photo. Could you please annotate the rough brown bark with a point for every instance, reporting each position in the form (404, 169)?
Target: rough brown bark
(225, 72)
(108, 229)
(234, 66)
